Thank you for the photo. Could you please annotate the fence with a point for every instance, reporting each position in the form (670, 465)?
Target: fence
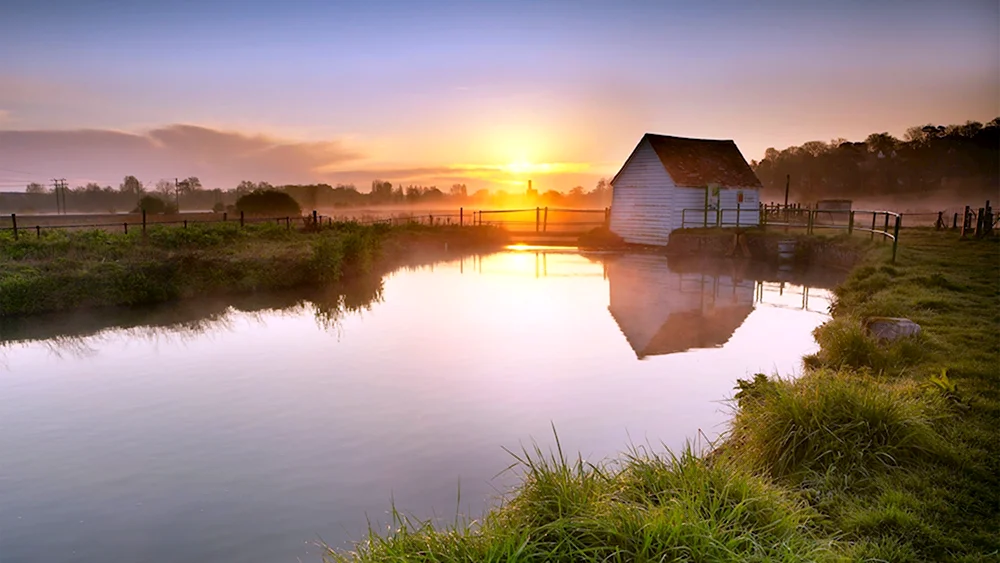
(539, 219)
(810, 220)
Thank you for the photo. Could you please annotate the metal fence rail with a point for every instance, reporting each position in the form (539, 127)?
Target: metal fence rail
(808, 219)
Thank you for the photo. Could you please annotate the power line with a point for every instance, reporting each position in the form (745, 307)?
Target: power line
(18, 171)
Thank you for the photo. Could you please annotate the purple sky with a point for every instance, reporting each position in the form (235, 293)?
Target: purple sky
(478, 92)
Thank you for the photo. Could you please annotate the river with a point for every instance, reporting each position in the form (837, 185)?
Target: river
(254, 428)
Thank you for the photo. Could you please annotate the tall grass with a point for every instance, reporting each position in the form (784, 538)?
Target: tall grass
(643, 508)
(845, 422)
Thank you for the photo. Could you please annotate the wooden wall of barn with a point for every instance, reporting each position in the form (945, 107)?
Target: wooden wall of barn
(642, 200)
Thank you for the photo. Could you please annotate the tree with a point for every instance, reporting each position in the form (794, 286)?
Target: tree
(154, 205)
(165, 188)
(268, 202)
(35, 188)
(189, 185)
(458, 190)
(576, 192)
(131, 185)
(245, 187)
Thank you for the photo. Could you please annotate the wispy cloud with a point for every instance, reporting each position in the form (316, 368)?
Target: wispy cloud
(219, 158)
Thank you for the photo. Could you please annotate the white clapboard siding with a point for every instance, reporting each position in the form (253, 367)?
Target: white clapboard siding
(642, 199)
(692, 199)
(749, 213)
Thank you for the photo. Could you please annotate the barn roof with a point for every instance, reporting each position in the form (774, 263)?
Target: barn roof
(696, 163)
(687, 330)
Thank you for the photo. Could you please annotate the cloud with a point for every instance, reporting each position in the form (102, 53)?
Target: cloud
(219, 158)
(4, 116)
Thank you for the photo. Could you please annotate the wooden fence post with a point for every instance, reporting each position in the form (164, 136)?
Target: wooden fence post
(185, 223)
(315, 219)
(545, 220)
(954, 221)
(38, 230)
(538, 219)
(895, 237)
(241, 219)
(143, 222)
(885, 228)
(737, 214)
(874, 215)
(850, 223)
(225, 216)
(461, 216)
(940, 221)
(13, 220)
(288, 223)
(125, 225)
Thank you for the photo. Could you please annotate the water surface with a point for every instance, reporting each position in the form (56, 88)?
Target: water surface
(250, 429)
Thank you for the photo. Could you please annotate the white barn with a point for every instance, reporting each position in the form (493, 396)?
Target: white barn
(665, 175)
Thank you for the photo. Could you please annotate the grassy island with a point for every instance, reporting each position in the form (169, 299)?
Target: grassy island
(879, 452)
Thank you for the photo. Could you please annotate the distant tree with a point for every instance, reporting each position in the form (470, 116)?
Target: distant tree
(577, 192)
(189, 185)
(458, 190)
(245, 187)
(268, 202)
(131, 185)
(165, 188)
(35, 188)
(154, 205)
(382, 191)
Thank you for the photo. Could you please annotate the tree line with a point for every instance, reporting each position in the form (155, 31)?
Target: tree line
(958, 161)
(190, 195)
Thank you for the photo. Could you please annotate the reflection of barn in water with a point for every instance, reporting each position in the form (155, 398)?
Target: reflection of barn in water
(661, 310)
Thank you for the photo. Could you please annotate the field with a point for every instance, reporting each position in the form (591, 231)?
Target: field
(879, 452)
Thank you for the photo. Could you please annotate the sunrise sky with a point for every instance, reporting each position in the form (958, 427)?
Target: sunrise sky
(485, 93)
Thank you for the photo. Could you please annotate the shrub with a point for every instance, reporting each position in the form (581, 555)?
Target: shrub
(268, 202)
(154, 205)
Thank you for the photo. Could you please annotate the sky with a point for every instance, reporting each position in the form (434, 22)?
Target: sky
(485, 93)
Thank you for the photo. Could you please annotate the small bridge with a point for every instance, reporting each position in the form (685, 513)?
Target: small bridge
(544, 225)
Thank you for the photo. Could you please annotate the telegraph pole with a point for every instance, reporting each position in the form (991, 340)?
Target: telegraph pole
(59, 186)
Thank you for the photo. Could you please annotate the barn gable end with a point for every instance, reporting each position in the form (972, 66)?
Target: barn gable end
(642, 198)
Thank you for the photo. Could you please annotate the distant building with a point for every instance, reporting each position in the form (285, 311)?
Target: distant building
(666, 175)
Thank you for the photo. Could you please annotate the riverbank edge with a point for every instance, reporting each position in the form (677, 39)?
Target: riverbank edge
(79, 271)
(877, 452)
(842, 252)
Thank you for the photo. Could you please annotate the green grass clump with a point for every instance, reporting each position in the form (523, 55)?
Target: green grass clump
(642, 508)
(845, 422)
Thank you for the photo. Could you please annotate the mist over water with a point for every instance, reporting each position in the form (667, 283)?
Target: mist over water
(250, 429)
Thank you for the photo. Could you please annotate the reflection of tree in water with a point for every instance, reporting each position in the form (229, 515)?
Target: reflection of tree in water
(79, 333)
(334, 302)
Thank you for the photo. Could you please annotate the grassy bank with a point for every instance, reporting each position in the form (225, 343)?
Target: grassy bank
(70, 270)
(877, 453)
